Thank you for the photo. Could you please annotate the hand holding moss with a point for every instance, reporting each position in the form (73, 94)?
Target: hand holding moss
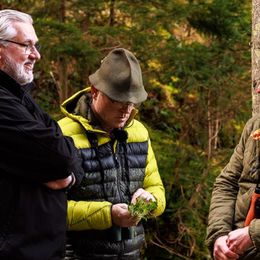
(142, 204)
(121, 216)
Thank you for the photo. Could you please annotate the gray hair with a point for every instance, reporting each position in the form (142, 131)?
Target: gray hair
(7, 18)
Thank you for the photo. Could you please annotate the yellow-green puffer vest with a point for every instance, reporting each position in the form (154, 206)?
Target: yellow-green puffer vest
(113, 172)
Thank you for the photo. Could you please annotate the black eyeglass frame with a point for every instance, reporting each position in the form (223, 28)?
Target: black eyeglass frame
(30, 47)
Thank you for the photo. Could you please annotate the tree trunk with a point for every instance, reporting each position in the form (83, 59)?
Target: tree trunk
(213, 119)
(112, 13)
(63, 90)
(62, 11)
(85, 23)
(62, 65)
(255, 56)
(210, 130)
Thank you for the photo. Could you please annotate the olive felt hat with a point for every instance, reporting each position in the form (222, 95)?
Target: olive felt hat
(120, 77)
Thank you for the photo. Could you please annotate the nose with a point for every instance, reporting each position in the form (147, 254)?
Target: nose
(35, 54)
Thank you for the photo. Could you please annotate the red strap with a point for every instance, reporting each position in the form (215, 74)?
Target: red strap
(251, 213)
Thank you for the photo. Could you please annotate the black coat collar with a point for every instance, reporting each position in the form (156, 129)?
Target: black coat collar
(11, 85)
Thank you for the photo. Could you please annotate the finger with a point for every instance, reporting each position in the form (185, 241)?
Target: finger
(136, 195)
(148, 197)
(228, 242)
(233, 248)
(134, 221)
(225, 256)
(223, 252)
(231, 254)
(123, 206)
(219, 256)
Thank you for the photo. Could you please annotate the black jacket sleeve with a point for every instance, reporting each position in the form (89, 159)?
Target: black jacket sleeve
(32, 146)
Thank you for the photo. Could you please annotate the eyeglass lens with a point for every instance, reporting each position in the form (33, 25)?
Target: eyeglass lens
(31, 48)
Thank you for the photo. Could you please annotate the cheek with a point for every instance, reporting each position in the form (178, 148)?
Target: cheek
(110, 116)
(20, 60)
(104, 111)
(1, 62)
(14, 61)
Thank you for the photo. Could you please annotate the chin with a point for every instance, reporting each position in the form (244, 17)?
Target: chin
(24, 77)
(120, 125)
(27, 79)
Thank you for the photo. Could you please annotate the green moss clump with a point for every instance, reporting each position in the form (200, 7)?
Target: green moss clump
(142, 209)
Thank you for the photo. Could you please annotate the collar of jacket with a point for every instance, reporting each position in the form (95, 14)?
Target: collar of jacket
(71, 104)
(11, 85)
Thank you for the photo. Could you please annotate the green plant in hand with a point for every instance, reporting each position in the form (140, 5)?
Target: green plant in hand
(142, 209)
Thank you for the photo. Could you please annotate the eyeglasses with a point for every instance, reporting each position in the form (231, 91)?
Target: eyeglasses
(122, 104)
(28, 48)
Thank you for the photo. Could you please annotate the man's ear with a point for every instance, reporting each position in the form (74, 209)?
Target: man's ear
(94, 92)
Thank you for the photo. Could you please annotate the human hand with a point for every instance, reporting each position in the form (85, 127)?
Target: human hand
(239, 240)
(222, 251)
(122, 217)
(59, 184)
(141, 193)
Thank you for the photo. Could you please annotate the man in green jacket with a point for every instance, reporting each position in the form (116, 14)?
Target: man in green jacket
(229, 235)
(120, 166)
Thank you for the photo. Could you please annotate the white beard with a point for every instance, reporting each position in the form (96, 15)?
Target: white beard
(17, 71)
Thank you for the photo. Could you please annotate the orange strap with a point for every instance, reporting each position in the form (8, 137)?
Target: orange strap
(251, 213)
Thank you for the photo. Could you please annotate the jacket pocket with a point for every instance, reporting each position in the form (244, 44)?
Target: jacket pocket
(242, 206)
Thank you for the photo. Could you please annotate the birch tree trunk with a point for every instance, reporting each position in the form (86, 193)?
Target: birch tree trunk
(256, 56)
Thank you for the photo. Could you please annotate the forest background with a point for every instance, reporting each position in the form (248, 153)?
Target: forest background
(196, 61)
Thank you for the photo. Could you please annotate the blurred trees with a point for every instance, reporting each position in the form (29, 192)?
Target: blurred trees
(195, 58)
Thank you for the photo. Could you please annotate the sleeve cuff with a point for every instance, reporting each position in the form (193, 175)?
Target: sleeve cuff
(254, 232)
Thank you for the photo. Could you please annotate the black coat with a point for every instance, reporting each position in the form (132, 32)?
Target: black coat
(32, 151)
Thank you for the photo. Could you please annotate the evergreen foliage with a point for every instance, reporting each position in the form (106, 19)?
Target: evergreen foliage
(195, 58)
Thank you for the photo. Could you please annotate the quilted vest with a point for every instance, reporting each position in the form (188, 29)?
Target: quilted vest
(112, 175)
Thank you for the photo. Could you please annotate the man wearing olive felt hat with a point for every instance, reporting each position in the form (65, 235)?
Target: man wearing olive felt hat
(118, 159)
(120, 77)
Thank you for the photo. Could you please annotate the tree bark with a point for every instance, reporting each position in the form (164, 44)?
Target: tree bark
(62, 11)
(112, 13)
(255, 44)
(210, 128)
(62, 65)
(63, 90)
